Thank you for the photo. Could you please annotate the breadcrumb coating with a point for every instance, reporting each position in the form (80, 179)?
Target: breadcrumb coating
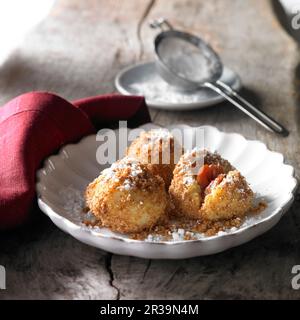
(127, 197)
(228, 195)
(232, 197)
(157, 149)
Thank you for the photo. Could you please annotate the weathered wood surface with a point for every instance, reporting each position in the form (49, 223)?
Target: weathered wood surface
(76, 52)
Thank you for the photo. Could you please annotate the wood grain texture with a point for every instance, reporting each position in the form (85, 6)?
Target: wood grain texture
(76, 52)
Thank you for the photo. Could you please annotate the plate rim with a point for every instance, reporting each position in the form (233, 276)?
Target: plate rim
(47, 209)
(172, 106)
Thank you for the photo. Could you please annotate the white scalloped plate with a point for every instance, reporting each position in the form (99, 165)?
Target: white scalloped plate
(65, 175)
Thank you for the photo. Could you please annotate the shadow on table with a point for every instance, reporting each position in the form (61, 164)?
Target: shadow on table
(221, 115)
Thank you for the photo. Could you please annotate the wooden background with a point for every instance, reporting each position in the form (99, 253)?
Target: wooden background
(76, 52)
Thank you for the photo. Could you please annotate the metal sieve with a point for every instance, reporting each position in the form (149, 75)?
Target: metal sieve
(189, 63)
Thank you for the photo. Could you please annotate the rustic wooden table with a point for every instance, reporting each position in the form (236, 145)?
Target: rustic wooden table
(76, 51)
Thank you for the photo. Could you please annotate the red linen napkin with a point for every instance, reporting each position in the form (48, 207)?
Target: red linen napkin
(36, 124)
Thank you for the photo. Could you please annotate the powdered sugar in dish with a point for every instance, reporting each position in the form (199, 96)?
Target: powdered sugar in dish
(161, 92)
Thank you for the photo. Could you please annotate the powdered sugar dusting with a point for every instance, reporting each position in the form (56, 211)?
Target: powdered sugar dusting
(189, 179)
(191, 162)
(234, 178)
(187, 165)
(160, 134)
(73, 203)
(132, 164)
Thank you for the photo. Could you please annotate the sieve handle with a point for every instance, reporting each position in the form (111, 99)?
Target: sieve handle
(237, 100)
(160, 23)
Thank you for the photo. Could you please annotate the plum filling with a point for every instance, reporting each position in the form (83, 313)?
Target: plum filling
(209, 176)
(214, 183)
